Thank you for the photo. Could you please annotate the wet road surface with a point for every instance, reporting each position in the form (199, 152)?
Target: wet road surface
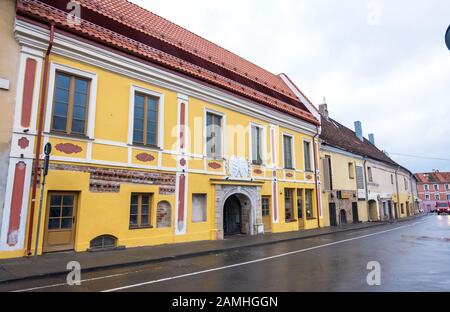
(413, 256)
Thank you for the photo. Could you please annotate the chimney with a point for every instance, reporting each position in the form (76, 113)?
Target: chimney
(358, 130)
(372, 138)
(323, 109)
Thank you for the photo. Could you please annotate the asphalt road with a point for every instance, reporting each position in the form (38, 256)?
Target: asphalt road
(413, 256)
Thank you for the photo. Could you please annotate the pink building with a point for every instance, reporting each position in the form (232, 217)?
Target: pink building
(433, 187)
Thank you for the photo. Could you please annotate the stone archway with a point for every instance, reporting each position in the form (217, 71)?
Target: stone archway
(250, 200)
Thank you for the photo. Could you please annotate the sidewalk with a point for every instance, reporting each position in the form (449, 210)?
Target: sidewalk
(55, 263)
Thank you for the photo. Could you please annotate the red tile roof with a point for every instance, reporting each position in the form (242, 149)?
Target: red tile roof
(337, 135)
(433, 177)
(170, 45)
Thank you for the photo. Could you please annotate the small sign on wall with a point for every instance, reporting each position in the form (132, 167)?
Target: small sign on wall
(4, 84)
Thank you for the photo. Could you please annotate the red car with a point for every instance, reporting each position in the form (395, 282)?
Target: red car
(443, 207)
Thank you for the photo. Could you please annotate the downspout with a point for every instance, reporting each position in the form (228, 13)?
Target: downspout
(367, 189)
(315, 176)
(39, 137)
(398, 193)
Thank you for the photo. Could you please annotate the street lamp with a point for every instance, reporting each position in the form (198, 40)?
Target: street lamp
(47, 151)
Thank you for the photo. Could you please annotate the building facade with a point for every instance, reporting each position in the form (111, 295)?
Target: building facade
(360, 182)
(9, 50)
(157, 135)
(433, 187)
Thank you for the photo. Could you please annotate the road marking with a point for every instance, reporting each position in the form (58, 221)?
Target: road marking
(82, 281)
(210, 270)
(257, 260)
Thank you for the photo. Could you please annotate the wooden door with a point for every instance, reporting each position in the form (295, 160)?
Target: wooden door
(60, 220)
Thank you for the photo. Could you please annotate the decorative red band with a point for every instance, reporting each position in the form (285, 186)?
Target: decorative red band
(28, 90)
(16, 203)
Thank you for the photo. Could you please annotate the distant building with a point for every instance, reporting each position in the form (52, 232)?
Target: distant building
(433, 187)
(360, 182)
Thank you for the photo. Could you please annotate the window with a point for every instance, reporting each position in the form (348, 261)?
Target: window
(427, 196)
(70, 104)
(307, 155)
(448, 196)
(426, 187)
(447, 187)
(265, 205)
(140, 210)
(257, 145)
(103, 242)
(437, 196)
(213, 135)
(145, 122)
(392, 179)
(369, 174)
(436, 187)
(163, 214)
(198, 207)
(300, 203)
(406, 183)
(327, 173)
(402, 207)
(287, 147)
(351, 170)
(289, 204)
(309, 204)
(62, 211)
(360, 178)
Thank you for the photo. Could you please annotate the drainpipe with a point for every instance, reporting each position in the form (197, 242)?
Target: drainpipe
(39, 138)
(315, 175)
(367, 189)
(398, 193)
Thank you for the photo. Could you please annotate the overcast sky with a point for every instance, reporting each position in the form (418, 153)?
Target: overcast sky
(382, 62)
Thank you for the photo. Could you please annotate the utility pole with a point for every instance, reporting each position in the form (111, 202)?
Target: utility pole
(47, 151)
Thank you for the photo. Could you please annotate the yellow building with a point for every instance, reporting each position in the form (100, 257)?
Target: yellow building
(158, 136)
(360, 182)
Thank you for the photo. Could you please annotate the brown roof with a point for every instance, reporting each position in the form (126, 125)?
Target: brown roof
(433, 177)
(128, 27)
(337, 135)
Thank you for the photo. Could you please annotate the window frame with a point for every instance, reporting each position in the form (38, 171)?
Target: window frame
(292, 151)
(139, 224)
(312, 216)
(268, 198)
(292, 219)
(263, 145)
(311, 152)
(223, 123)
(369, 174)
(351, 170)
(205, 195)
(145, 121)
(426, 187)
(160, 119)
(91, 99)
(427, 196)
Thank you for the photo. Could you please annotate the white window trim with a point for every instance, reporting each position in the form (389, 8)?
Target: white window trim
(311, 152)
(427, 196)
(283, 134)
(426, 187)
(436, 189)
(160, 96)
(223, 138)
(263, 145)
(54, 67)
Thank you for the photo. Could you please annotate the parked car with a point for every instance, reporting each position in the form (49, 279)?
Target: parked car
(443, 207)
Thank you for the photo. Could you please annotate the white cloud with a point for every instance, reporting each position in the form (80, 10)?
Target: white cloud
(394, 76)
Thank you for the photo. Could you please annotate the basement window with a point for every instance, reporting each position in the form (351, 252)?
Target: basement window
(103, 242)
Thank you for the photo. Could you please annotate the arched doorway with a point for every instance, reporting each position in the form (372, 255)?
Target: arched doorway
(232, 216)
